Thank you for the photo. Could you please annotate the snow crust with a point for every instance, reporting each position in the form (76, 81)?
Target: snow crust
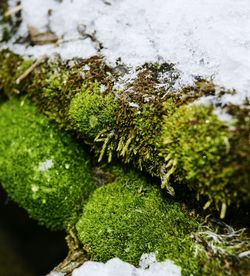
(206, 38)
(116, 267)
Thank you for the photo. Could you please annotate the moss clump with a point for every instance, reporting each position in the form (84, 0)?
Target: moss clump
(91, 111)
(197, 151)
(130, 217)
(42, 169)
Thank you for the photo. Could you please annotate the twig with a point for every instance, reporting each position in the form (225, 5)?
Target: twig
(13, 11)
(71, 262)
(31, 68)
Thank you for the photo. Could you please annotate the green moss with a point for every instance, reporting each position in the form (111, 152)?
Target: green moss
(197, 150)
(55, 83)
(130, 217)
(52, 88)
(91, 111)
(132, 127)
(41, 168)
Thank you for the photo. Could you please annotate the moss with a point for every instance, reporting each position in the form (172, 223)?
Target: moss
(51, 90)
(197, 150)
(138, 122)
(41, 168)
(143, 102)
(130, 217)
(55, 83)
(131, 127)
(91, 111)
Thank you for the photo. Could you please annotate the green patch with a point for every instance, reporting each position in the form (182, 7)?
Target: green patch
(41, 168)
(130, 217)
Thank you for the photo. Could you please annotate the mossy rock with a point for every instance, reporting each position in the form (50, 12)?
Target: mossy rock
(130, 217)
(42, 168)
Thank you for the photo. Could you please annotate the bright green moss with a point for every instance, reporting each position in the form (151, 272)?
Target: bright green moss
(41, 168)
(91, 111)
(197, 150)
(131, 126)
(130, 217)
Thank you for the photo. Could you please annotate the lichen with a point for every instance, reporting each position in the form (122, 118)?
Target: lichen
(41, 168)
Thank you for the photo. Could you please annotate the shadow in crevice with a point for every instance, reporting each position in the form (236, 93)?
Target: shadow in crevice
(25, 247)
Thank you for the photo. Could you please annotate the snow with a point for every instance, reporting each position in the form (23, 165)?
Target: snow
(116, 267)
(206, 38)
(53, 273)
(46, 165)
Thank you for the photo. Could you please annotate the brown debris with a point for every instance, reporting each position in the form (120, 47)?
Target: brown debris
(41, 38)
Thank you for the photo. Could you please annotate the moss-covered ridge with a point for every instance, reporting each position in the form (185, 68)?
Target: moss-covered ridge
(147, 123)
(41, 168)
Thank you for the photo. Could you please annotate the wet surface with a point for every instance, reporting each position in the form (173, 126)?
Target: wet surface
(26, 249)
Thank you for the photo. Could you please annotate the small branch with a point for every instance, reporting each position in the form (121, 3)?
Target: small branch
(13, 11)
(76, 255)
(31, 68)
(71, 262)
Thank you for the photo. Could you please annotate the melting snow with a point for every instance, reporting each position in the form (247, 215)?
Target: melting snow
(207, 38)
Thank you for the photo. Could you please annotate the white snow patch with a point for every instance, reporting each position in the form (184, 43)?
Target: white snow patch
(116, 267)
(46, 165)
(53, 273)
(207, 38)
(223, 116)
